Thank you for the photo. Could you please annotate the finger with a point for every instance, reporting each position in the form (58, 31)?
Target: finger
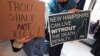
(77, 11)
(18, 40)
(62, 0)
(23, 39)
(65, 0)
(28, 40)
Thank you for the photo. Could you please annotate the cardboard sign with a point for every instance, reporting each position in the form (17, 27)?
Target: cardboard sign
(68, 26)
(19, 18)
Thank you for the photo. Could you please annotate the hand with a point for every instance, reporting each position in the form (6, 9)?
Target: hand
(24, 39)
(73, 10)
(62, 0)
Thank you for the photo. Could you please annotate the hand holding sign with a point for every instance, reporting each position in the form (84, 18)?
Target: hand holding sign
(19, 43)
(73, 10)
(24, 39)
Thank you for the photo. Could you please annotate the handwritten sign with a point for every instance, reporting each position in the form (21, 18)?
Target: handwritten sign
(68, 26)
(19, 18)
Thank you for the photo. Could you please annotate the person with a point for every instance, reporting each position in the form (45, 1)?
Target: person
(59, 6)
(95, 26)
(96, 46)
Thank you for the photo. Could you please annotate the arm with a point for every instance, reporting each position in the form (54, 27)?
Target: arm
(52, 7)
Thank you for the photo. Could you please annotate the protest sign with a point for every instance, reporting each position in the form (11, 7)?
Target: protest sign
(19, 18)
(68, 26)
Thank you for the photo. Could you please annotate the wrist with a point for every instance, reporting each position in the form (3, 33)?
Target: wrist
(17, 44)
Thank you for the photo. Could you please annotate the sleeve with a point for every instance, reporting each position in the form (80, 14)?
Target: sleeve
(51, 7)
(72, 4)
